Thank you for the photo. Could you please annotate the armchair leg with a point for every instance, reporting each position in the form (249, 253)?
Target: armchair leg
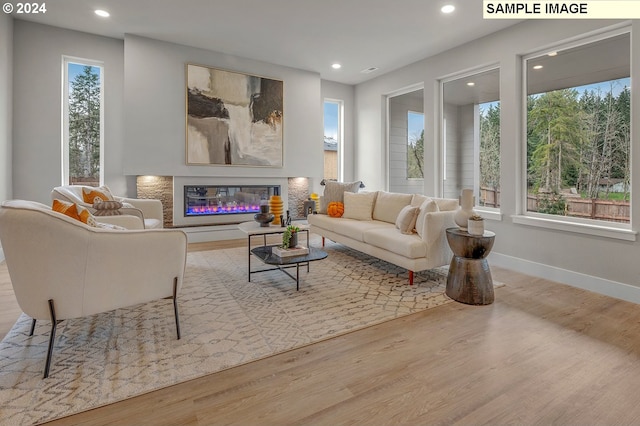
(410, 277)
(175, 305)
(52, 337)
(33, 327)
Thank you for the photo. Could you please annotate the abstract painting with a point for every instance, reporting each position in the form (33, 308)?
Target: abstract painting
(233, 118)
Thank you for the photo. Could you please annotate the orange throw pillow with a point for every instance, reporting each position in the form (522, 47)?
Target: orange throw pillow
(69, 209)
(74, 211)
(335, 209)
(91, 195)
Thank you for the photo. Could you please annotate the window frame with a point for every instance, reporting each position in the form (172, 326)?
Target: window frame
(339, 134)
(66, 60)
(601, 228)
(492, 213)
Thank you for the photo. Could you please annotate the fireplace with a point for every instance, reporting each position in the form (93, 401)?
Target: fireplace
(233, 203)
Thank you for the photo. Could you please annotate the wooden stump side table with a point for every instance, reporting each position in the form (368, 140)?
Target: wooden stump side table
(469, 280)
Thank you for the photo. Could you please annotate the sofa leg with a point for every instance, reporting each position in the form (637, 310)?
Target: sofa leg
(175, 305)
(410, 277)
(52, 338)
(322, 241)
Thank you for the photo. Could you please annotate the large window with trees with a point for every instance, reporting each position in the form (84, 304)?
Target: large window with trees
(83, 122)
(471, 136)
(578, 130)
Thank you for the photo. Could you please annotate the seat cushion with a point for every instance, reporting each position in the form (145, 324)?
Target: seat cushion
(390, 238)
(152, 224)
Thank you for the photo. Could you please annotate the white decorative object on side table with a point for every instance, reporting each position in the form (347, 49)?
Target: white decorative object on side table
(465, 211)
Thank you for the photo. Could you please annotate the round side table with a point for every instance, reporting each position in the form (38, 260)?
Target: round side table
(469, 280)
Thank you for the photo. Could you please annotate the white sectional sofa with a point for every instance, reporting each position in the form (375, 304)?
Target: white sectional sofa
(380, 224)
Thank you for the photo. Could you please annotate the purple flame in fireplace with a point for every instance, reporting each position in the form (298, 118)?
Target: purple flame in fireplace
(228, 209)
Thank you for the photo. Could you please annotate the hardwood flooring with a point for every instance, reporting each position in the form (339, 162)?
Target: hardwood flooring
(543, 353)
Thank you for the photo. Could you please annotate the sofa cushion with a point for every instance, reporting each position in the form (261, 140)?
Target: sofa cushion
(90, 195)
(389, 204)
(406, 221)
(74, 211)
(418, 199)
(429, 206)
(447, 204)
(333, 192)
(391, 239)
(359, 206)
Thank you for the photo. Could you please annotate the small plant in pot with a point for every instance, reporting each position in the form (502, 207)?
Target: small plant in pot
(290, 236)
(475, 225)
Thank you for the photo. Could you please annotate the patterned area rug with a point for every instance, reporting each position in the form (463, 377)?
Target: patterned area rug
(225, 320)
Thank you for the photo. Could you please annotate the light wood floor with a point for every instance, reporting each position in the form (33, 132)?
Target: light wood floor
(543, 353)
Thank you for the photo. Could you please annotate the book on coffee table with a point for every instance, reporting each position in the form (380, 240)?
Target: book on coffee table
(288, 252)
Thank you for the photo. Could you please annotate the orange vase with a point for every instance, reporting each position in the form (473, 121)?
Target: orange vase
(276, 207)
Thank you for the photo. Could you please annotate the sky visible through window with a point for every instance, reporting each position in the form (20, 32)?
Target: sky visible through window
(331, 120)
(415, 125)
(75, 69)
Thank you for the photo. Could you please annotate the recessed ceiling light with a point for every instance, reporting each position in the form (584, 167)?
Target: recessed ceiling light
(552, 53)
(447, 8)
(471, 83)
(336, 66)
(537, 67)
(102, 13)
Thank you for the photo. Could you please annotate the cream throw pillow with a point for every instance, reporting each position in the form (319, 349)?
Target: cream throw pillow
(334, 191)
(389, 204)
(358, 206)
(406, 221)
(428, 206)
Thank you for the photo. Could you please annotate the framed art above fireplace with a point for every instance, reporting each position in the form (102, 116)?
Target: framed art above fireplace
(233, 119)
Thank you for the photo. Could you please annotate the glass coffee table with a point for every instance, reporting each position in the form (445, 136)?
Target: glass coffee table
(265, 253)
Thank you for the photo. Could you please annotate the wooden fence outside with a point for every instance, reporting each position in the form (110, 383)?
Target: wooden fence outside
(599, 209)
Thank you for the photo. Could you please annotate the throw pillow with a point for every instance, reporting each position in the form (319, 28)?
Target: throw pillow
(107, 208)
(389, 204)
(334, 192)
(359, 206)
(406, 221)
(428, 206)
(91, 195)
(74, 211)
(335, 209)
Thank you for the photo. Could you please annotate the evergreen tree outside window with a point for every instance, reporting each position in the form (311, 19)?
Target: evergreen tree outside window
(579, 131)
(415, 145)
(83, 123)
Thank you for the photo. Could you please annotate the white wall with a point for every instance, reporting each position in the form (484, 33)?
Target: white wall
(155, 111)
(37, 120)
(605, 265)
(6, 93)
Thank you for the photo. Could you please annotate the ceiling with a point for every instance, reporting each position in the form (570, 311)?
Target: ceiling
(303, 34)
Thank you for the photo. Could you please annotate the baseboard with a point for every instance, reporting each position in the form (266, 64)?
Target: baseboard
(575, 279)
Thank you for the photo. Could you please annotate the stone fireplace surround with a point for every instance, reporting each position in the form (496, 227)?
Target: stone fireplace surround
(170, 190)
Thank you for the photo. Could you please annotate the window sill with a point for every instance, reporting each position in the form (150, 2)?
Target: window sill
(489, 214)
(579, 228)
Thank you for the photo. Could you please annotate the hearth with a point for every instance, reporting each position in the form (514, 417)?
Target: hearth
(226, 200)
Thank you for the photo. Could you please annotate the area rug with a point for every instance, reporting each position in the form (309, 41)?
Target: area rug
(226, 321)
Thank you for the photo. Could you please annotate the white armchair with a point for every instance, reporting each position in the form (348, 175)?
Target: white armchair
(61, 268)
(148, 211)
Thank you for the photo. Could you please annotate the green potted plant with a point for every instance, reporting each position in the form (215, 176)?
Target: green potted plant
(290, 236)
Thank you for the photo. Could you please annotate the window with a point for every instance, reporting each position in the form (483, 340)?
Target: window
(578, 131)
(83, 122)
(405, 140)
(415, 145)
(471, 136)
(332, 139)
